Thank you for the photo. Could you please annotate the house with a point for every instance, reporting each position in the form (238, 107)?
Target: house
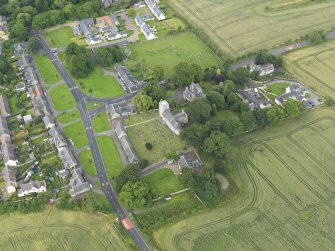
(263, 70)
(4, 106)
(8, 155)
(32, 187)
(144, 28)
(190, 159)
(253, 98)
(62, 173)
(114, 19)
(171, 122)
(159, 14)
(20, 48)
(4, 130)
(67, 158)
(92, 40)
(27, 118)
(193, 91)
(103, 22)
(126, 144)
(20, 87)
(77, 183)
(294, 91)
(76, 29)
(57, 138)
(48, 121)
(30, 76)
(107, 3)
(113, 36)
(9, 177)
(130, 82)
(121, 109)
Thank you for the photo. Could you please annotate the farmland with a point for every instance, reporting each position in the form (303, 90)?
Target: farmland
(238, 27)
(285, 177)
(170, 50)
(315, 67)
(59, 230)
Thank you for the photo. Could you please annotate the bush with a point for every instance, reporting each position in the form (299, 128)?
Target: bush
(148, 146)
(143, 163)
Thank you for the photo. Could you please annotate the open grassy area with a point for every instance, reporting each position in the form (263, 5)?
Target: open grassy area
(285, 177)
(98, 85)
(170, 50)
(76, 132)
(88, 162)
(62, 37)
(163, 182)
(47, 69)
(68, 117)
(277, 88)
(315, 67)
(238, 27)
(62, 98)
(110, 157)
(101, 123)
(161, 138)
(59, 230)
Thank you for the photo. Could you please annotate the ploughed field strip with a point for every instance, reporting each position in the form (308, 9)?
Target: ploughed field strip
(238, 26)
(315, 66)
(286, 177)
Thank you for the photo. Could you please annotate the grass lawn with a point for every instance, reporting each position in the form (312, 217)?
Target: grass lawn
(77, 133)
(47, 69)
(62, 98)
(162, 139)
(86, 231)
(13, 103)
(138, 118)
(68, 117)
(98, 85)
(101, 123)
(110, 157)
(170, 50)
(277, 88)
(62, 37)
(88, 162)
(163, 182)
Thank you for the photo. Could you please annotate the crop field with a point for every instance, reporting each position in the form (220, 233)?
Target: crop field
(62, 98)
(59, 230)
(285, 176)
(315, 66)
(48, 71)
(170, 50)
(238, 27)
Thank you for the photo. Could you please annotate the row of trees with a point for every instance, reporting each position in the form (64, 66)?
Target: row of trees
(149, 97)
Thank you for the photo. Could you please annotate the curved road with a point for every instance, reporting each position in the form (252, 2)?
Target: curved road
(102, 173)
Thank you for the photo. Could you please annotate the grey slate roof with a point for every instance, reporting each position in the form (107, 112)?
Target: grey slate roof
(9, 175)
(32, 184)
(120, 109)
(127, 78)
(77, 183)
(4, 106)
(252, 98)
(190, 159)
(67, 158)
(193, 91)
(7, 150)
(48, 121)
(4, 130)
(58, 138)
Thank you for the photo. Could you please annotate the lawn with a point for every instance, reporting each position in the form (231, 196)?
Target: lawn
(139, 118)
(88, 162)
(77, 133)
(161, 138)
(170, 50)
(111, 157)
(101, 123)
(69, 116)
(98, 85)
(277, 88)
(56, 229)
(163, 182)
(62, 37)
(62, 98)
(285, 178)
(47, 69)
(239, 27)
(314, 66)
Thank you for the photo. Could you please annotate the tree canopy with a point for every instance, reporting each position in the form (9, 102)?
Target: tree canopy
(199, 111)
(294, 107)
(217, 144)
(185, 74)
(135, 194)
(143, 102)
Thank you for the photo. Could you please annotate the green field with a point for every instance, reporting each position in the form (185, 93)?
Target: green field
(59, 230)
(170, 50)
(88, 162)
(101, 123)
(285, 175)
(47, 69)
(62, 37)
(163, 182)
(68, 117)
(62, 98)
(77, 133)
(161, 138)
(238, 27)
(98, 85)
(315, 66)
(277, 88)
(110, 156)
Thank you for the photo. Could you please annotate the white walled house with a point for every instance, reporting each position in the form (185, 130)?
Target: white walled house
(32, 187)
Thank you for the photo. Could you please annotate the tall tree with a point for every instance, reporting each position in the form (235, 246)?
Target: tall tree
(217, 144)
(274, 115)
(135, 194)
(294, 107)
(143, 102)
(199, 111)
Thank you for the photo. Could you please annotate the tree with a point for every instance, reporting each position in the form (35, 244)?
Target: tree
(241, 75)
(135, 194)
(207, 186)
(199, 111)
(143, 102)
(186, 73)
(148, 146)
(130, 173)
(231, 125)
(131, 12)
(217, 99)
(217, 144)
(187, 178)
(80, 65)
(260, 116)
(158, 73)
(196, 133)
(249, 121)
(317, 37)
(155, 91)
(20, 31)
(197, 73)
(33, 45)
(294, 107)
(274, 115)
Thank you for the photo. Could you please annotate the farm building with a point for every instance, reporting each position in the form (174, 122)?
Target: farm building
(193, 91)
(294, 91)
(253, 98)
(174, 123)
(263, 70)
(32, 187)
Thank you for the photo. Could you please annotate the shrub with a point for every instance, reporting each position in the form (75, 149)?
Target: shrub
(148, 146)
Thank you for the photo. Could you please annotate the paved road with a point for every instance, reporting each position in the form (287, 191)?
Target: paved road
(281, 51)
(102, 173)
